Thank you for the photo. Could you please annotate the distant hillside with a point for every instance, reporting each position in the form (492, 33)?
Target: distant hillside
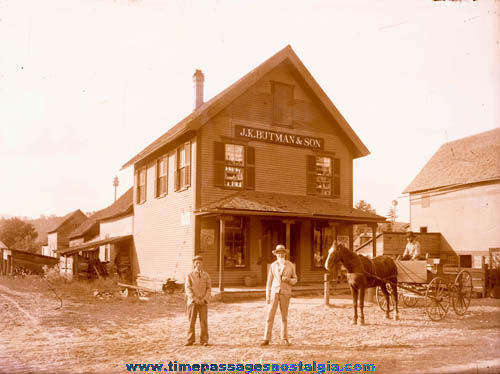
(42, 225)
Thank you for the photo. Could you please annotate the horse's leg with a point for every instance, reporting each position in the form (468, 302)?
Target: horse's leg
(361, 305)
(395, 295)
(354, 292)
(383, 287)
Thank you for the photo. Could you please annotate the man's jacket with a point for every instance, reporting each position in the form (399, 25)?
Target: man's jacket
(198, 287)
(275, 283)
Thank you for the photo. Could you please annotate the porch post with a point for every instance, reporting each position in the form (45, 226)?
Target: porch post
(333, 226)
(374, 240)
(222, 235)
(288, 222)
(1, 261)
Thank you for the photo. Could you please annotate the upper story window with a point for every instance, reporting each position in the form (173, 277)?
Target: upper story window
(282, 103)
(183, 170)
(323, 176)
(141, 186)
(161, 177)
(234, 166)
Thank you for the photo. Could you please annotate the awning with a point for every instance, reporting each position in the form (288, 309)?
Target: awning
(92, 245)
(284, 205)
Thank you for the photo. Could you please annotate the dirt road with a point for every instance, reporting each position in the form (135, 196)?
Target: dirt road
(101, 336)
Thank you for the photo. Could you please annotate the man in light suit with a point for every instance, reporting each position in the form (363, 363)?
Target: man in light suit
(198, 287)
(280, 280)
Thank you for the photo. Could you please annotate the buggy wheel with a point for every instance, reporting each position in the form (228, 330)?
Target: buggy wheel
(462, 292)
(437, 299)
(381, 301)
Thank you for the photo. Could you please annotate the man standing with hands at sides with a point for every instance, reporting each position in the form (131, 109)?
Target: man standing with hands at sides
(280, 280)
(198, 287)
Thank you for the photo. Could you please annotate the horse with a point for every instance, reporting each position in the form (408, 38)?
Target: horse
(365, 273)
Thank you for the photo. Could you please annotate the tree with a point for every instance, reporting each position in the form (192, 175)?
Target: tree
(365, 207)
(17, 234)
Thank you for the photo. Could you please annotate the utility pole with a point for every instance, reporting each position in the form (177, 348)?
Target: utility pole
(394, 205)
(116, 182)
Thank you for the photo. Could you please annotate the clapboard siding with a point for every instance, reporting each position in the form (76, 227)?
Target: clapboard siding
(278, 168)
(164, 245)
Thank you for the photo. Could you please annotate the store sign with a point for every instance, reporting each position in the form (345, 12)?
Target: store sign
(279, 137)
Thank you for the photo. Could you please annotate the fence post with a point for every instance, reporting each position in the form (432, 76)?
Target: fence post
(326, 288)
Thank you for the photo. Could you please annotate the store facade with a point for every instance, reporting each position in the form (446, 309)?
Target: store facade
(269, 160)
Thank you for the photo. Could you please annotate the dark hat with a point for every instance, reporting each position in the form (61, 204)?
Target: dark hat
(280, 248)
(197, 258)
(410, 234)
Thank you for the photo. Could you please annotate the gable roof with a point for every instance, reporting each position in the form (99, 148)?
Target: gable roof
(64, 219)
(2, 245)
(472, 159)
(123, 205)
(212, 107)
(279, 204)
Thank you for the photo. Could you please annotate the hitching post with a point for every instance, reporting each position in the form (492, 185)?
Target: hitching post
(326, 280)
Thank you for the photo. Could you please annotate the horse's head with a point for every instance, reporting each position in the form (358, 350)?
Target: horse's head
(333, 256)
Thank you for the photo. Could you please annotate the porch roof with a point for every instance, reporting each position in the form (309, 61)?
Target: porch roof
(278, 204)
(92, 245)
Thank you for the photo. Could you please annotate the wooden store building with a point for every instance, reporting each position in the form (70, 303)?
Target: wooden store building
(268, 160)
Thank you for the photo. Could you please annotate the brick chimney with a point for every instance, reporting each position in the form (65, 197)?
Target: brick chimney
(198, 79)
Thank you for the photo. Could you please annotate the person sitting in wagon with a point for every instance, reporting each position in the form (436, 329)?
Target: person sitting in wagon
(412, 250)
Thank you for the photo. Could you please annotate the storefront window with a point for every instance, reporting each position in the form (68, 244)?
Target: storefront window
(235, 244)
(234, 169)
(322, 241)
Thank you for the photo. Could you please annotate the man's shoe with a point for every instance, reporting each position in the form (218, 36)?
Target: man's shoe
(264, 342)
(188, 344)
(205, 344)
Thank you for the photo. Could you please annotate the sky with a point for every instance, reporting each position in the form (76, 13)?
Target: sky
(86, 84)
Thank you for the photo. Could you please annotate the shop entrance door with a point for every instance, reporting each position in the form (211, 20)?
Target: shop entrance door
(275, 233)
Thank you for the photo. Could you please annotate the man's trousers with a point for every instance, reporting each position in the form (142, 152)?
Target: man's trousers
(283, 301)
(202, 311)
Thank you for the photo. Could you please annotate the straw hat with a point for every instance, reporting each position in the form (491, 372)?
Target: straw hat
(280, 248)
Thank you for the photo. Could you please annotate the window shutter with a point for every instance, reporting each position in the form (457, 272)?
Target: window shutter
(187, 175)
(167, 171)
(250, 168)
(311, 175)
(136, 187)
(176, 171)
(219, 162)
(157, 178)
(336, 177)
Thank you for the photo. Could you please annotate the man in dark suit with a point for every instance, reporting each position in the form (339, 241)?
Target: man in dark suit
(280, 280)
(198, 287)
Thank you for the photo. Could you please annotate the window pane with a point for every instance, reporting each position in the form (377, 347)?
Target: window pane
(234, 171)
(182, 157)
(234, 251)
(163, 167)
(163, 185)
(322, 241)
(324, 176)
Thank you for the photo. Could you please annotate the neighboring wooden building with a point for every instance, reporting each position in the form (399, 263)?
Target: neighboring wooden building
(12, 260)
(393, 244)
(268, 160)
(105, 235)
(457, 194)
(58, 236)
